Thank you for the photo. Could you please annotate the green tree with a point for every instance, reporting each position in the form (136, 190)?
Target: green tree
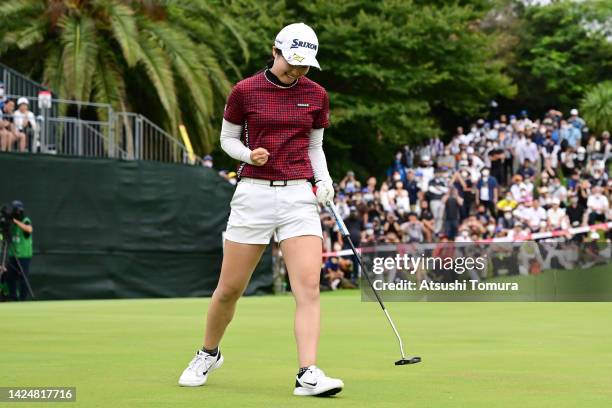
(560, 49)
(395, 70)
(596, 107)
(143, 54)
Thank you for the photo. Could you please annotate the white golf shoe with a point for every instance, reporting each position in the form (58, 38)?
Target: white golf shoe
(198, 369)
(314, 382)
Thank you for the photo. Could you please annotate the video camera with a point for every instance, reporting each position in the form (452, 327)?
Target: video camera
(8, 212)
(6, 219)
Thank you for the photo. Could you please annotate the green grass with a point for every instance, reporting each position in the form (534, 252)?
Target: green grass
(129, 353)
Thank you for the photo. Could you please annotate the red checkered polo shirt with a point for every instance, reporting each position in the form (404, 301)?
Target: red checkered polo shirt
(279, 119)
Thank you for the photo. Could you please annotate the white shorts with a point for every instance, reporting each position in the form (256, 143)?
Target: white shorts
(259, 211)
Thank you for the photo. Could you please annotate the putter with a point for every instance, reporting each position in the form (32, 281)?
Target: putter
(345, 235)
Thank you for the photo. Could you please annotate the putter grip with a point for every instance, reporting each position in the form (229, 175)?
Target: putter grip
(339, 220)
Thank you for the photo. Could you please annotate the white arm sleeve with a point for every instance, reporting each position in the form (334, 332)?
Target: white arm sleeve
(231, 143)
(317, 157)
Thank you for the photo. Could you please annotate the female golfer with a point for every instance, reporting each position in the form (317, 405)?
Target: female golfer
(281, 115)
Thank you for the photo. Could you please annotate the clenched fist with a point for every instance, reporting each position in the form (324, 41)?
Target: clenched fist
(259, 156)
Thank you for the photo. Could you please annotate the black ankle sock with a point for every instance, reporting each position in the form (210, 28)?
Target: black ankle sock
(302, 371)
(212, 352)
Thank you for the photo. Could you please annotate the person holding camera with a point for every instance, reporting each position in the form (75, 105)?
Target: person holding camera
(19, 253)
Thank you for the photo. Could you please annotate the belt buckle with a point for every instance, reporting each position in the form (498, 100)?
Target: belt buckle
(272, 183)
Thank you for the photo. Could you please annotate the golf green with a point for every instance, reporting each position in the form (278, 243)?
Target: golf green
(130, 353)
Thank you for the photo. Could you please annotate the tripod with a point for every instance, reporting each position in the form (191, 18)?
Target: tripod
(3, 269)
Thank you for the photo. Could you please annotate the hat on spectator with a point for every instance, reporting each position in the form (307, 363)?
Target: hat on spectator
(207, 157)
(22, 100)
(17, 204)
(574, 112)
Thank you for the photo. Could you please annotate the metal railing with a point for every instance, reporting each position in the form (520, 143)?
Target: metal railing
(19, 84)
(73, 128)
(144, 140)
(78, 137)
(76, 127)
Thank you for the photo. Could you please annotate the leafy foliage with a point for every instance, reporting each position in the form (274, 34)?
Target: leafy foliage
(596, 107)
(561, 49)
(91, 49)
(393, 68)
(398, 71)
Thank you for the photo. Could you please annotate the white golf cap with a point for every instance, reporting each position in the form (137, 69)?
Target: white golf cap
(574, 111)
(23, 100)
(299, 44)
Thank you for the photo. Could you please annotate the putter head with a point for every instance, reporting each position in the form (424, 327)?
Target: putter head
(411, 360)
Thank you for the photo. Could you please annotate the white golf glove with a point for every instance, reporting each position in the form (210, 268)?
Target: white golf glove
(325, 191)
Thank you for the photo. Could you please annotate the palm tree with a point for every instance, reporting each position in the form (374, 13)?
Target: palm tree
(150, 53)
(596, 107)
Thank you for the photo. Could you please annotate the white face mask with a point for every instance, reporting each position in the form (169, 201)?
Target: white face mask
(507, 215)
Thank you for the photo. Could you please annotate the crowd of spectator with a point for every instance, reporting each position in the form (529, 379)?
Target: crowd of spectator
(508, 178)
(17, 123)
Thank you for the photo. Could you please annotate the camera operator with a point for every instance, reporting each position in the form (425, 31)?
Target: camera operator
(19, 252)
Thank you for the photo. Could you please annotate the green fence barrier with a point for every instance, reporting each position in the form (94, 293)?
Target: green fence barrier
(114, 229)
